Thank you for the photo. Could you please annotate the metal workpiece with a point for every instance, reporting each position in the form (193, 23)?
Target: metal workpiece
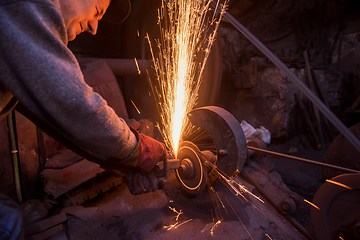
(227, 135)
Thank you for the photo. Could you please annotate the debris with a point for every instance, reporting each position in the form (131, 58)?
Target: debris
(60, 181)
(92, 191)
(79, 211)
(59, 236)
(252, 133)
(33, 211)
(43, 225)
(46, 234)
(292, 150)
(248, 129)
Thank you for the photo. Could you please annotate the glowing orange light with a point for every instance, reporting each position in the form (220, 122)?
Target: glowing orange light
(339, 184)
(137, 66)
(175, 211)
(178, 67)
(268, 236)
(171, 226)
(235, 186)
(213, 227)
(183, 223)
(176, 224)
(312, 204)
(135, 106)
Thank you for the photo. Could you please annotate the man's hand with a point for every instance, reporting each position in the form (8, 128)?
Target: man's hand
(138, 170)
(148, 152)
(139, 183)
(151, 152)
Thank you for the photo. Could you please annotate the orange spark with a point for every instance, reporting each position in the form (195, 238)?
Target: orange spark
(312, 204)
(341, 238)
(183, 223)
(268, 236)
(138, 34)
(176, 225)
(235, 186)
(135, 106)
(213, 227)
(239, 218)
(178, 213)
(171, 226)
(180, 63)
(137, 66)
(339, 184)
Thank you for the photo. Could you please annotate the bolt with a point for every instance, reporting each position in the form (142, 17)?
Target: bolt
(223, 151)
(186, 168)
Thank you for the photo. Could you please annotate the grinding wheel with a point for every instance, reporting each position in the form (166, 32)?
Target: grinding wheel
(339, 214)
(192, 173)
(227, 135)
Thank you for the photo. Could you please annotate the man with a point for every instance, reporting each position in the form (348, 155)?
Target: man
(40, 75)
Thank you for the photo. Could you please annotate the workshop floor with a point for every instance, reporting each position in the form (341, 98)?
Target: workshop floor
(117, 214)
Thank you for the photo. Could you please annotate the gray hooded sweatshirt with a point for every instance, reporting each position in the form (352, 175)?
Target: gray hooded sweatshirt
(38, 70)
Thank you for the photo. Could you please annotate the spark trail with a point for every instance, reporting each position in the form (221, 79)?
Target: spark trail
(183, 49)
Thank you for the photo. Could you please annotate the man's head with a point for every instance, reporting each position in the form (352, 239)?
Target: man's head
(84, 15)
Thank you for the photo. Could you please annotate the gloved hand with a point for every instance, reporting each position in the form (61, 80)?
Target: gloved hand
(148, 152)
(139, 183)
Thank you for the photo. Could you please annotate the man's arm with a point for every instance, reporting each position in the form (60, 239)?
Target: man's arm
(41, 72)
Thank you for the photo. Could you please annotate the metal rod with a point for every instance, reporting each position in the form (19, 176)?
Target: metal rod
(122, 67)
(14, 155)
(304, 160)
(307, 120)
(298, 83)
(312, 88)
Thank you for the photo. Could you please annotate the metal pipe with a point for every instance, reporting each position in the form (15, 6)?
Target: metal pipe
(304, 160)
(298, 83)
(307, 120)
(312, 88)
(122, 67)
(14, 155)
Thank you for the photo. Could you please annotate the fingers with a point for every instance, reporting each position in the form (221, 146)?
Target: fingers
(140, 183)
(153, 181)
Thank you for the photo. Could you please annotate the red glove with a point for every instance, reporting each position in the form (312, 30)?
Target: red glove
(138, 169)
(146, 155)
(150, 152)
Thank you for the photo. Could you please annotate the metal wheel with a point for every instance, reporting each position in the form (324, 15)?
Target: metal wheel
(339, 214)
(192, 173)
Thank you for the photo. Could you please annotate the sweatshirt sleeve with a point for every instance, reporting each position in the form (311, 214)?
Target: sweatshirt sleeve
(42, 73)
